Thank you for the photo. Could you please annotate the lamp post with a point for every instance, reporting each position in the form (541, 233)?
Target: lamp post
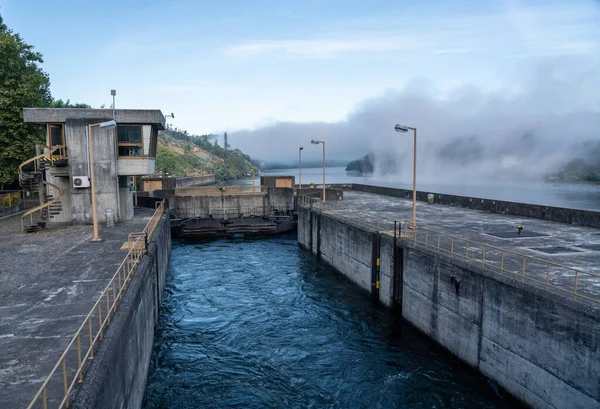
(300, 170)
(404, 129)
(315, 142)
(103, 125)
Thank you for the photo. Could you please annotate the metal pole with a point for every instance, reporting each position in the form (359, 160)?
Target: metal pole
(94, 218)
(414, 204)
(300, 171)
(323, 171)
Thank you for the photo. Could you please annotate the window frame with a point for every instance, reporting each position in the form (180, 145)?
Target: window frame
(131, 144)
(62, 152)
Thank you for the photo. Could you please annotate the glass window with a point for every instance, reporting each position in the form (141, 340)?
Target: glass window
(130, 142)
(55, 135)
(130, 133)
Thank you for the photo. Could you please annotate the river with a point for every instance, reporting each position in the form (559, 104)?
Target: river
(259, 323)
(578, 196)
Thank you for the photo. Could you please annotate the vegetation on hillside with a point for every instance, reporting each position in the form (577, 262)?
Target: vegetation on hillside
(180, 153)
(578, 171)
(23, 83)
(362, 166)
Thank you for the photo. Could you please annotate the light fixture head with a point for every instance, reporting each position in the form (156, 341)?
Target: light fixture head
(108, 125)
(401, 128)
(302, 147)
(315, 142)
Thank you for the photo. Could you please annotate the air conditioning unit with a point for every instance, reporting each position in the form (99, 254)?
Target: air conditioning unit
(81, 181)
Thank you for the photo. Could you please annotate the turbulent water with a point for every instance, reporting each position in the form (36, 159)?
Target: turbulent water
(255, 324)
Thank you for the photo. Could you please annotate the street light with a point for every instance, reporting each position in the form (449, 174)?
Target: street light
(107, 126)
(300, 170)
(404, 129)
(316, 143)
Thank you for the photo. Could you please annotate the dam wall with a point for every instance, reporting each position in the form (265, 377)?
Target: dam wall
(117, 375)
(541, 347)
(578, 217)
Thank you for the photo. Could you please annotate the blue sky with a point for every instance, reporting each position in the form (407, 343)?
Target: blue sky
(231, 65)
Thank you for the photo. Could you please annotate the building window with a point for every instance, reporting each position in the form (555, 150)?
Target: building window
(130, 140)
(56, 138)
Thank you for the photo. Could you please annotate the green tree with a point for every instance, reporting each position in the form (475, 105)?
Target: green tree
(59, 103)
(22, 84)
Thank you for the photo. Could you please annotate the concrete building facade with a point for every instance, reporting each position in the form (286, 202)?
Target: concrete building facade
(118, 153)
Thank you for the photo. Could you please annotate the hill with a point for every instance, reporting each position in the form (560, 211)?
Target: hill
(182, 154)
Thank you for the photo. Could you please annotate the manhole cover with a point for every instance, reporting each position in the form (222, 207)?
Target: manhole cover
(595, 247)
(555, 249)
(514, 234)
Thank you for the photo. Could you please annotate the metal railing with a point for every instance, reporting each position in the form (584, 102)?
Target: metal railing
(552, 276)
(75, 360)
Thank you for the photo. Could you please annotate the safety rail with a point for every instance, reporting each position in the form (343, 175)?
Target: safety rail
(75, 360)
(552, 276)
(48, 154)
(55, 200)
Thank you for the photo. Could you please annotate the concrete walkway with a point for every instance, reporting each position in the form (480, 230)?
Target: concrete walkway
(49, 281)
(569, 245)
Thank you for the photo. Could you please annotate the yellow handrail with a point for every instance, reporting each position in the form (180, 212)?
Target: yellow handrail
(38, 157)
(30, 212)
(73, 360)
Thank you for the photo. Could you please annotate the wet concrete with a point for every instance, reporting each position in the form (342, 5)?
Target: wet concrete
(49, 281)
(574, 246)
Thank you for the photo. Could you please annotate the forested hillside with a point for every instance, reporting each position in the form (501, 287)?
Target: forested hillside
(182, 154)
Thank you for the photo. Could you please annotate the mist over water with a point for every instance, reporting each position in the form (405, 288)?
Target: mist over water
(547, 117)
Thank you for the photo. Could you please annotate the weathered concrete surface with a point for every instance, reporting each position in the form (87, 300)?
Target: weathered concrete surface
(123, 116)
(540, 346)
(117, 376)
(579, 247)
(551, 213)
(48, 283)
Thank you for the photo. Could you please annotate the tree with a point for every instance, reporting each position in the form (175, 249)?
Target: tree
(22, 84)
(59, 103)
(225, 143)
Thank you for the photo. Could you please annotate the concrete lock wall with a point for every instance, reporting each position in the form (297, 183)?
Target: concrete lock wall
(118, 373)
(541, 347)
(231, 205)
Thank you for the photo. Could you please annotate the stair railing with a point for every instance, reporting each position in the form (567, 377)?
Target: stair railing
(35, 159)
(58, 190)
(41, 207)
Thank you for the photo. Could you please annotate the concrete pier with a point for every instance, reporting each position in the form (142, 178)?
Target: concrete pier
(49, 281)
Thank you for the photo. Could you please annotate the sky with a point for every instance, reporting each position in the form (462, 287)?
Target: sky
(272, 72)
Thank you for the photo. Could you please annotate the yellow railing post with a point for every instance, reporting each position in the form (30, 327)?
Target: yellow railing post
(91, 338)
(524, 258)
(576, 278)
(79, 358)
(64, 368)
(502, 261)
(467, 249)
(548, 276)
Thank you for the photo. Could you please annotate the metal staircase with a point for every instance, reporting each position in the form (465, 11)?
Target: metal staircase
(31, 179)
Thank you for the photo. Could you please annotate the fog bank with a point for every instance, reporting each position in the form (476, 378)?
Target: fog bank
(547, 117)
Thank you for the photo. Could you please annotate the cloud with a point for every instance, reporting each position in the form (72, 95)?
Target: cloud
(470, 136)
(320, 48)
